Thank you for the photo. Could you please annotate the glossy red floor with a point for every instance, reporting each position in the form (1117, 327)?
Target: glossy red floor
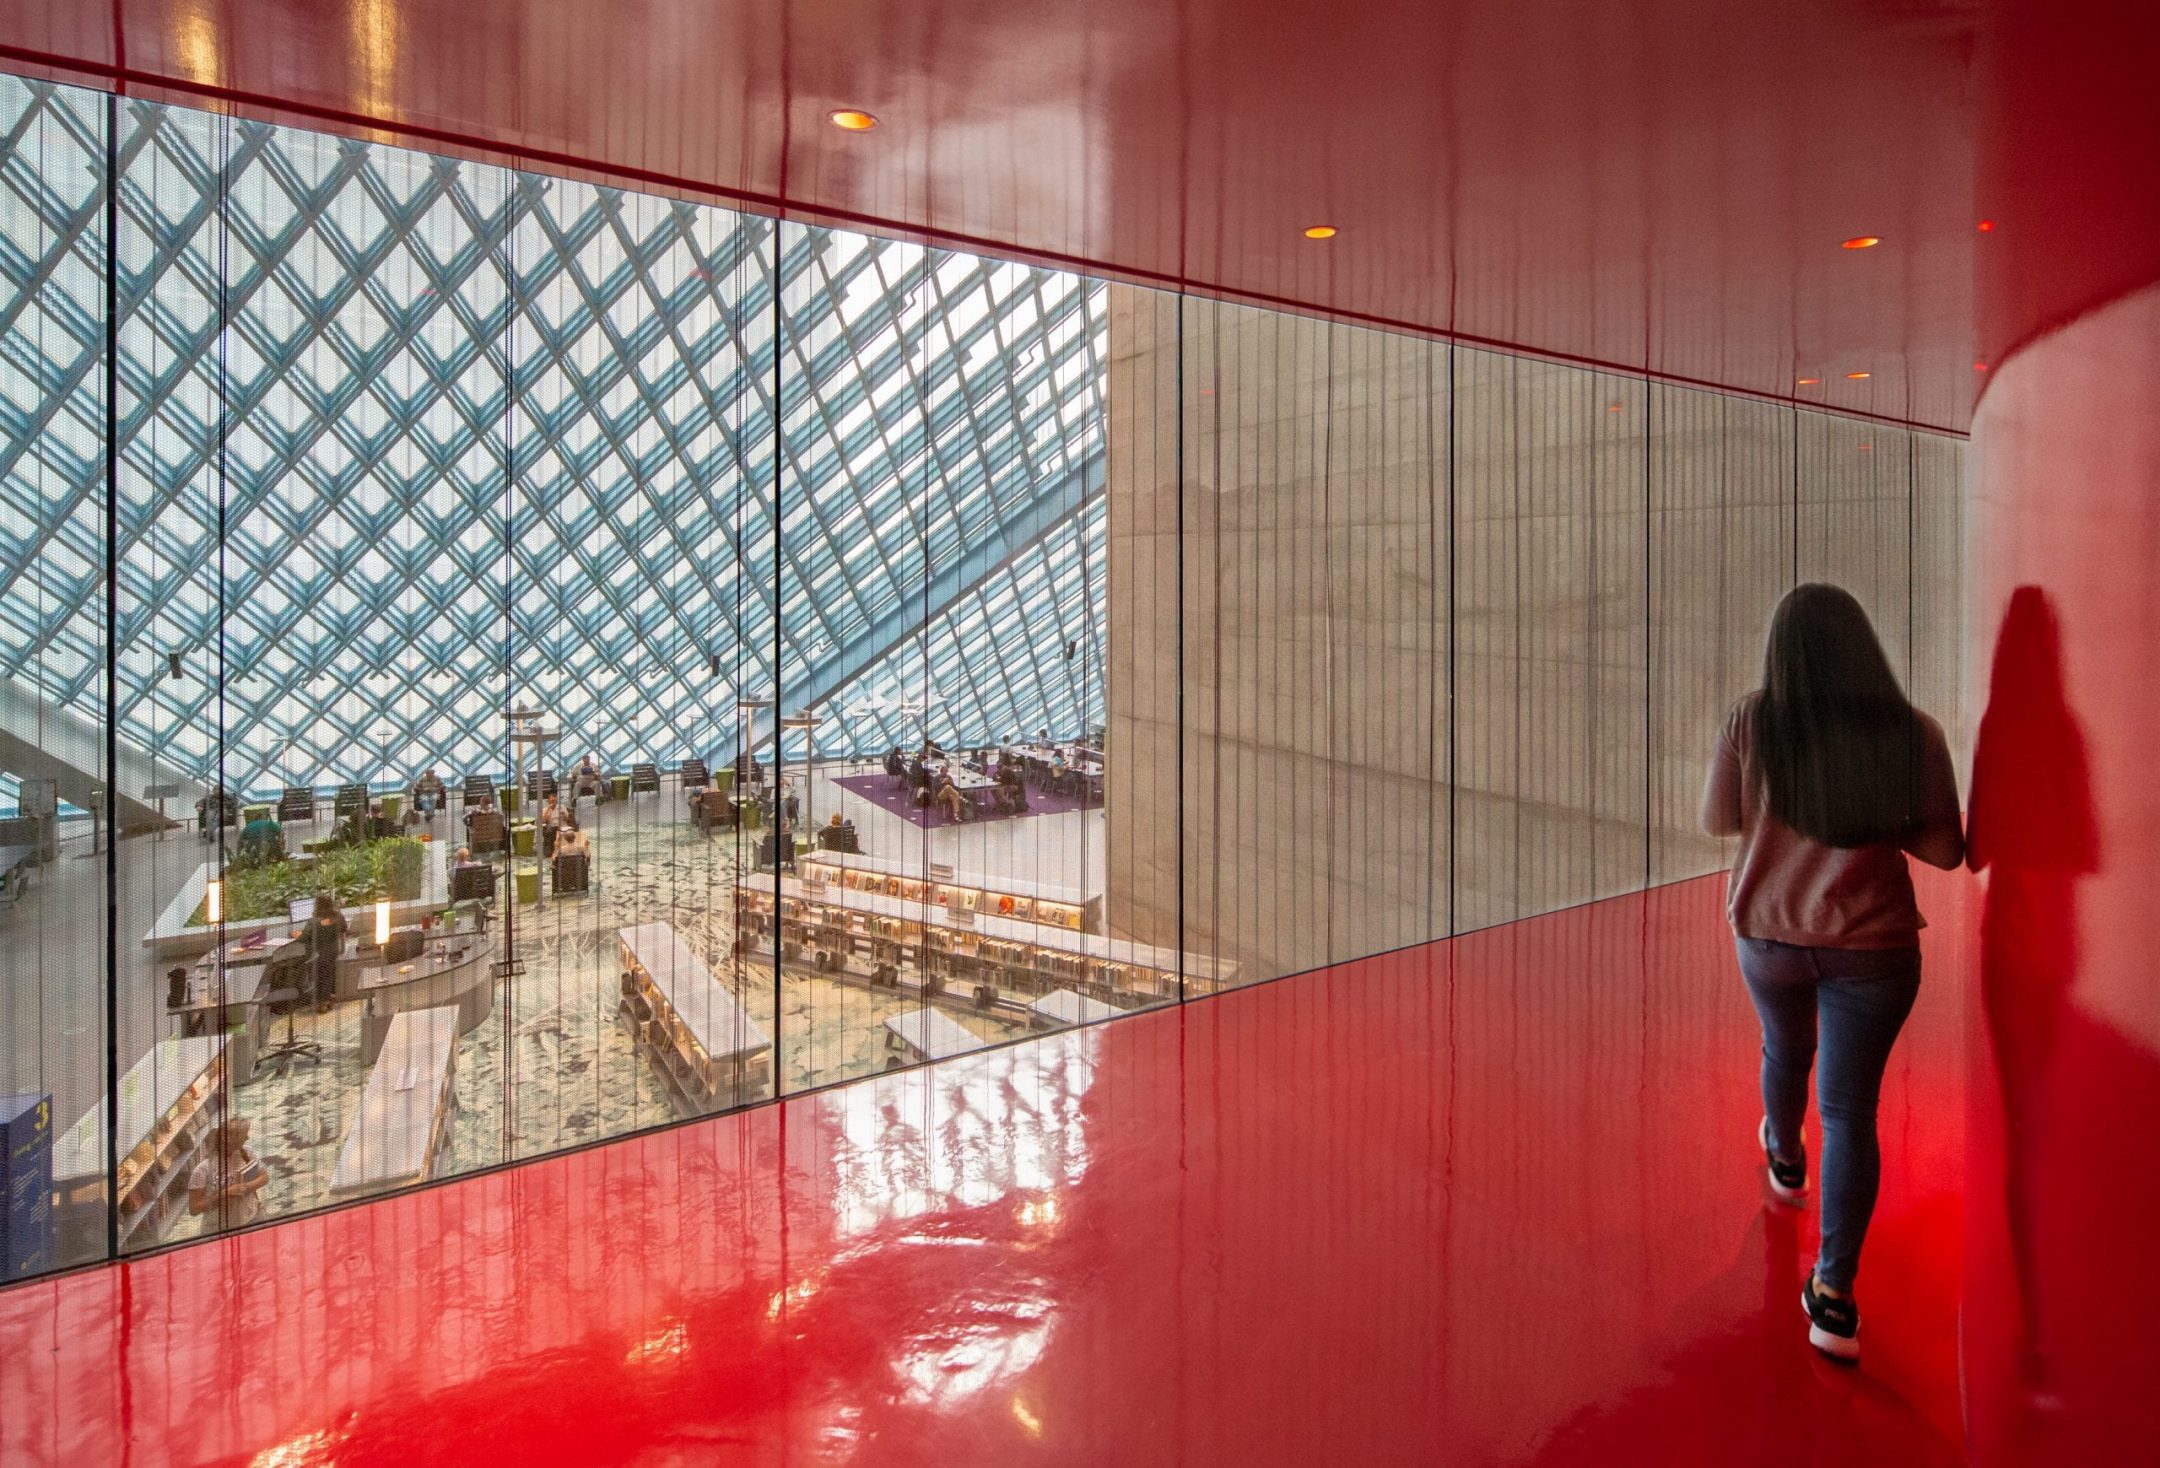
(1493, 1201)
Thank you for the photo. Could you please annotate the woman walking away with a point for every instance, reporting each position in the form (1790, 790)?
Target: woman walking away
(1829, 777)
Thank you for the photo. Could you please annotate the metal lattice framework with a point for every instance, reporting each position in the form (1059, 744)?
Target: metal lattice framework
(404, 439)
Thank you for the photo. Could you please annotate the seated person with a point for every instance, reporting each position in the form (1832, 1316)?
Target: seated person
(931, 749)
(262, 841)
(229, 1180)
(1012, 791)
(918, 776)
(949, 796)
(839, 834)
(428, 794)
(777, 850)
(470, 880)
(550, 824)
(587, 780)
(573, 859)
(896, 766)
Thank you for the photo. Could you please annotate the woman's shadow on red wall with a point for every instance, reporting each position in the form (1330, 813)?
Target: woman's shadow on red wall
(2072, 1268)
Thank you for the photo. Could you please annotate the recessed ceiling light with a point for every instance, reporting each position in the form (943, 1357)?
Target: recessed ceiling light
(1985, 226)
(1320, 232)
(852, 120)
(1863, 242)
(1612, 407)
(1810, 381)
(1856, 376)
(1979, 366)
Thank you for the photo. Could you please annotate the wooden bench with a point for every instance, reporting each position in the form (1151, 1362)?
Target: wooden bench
(925, 1034)
(406, 1108)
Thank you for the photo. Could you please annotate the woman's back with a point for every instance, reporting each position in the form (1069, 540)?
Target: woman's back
(1791, 888)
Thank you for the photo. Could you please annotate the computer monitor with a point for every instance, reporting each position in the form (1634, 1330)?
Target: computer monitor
(301, 911)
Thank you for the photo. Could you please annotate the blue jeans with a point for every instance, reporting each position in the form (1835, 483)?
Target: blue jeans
(1862, 996)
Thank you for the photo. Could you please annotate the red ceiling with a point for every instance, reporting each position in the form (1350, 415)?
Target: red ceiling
(1655, 184)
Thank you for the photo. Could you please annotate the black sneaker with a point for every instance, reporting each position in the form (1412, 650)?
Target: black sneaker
(1833, 1323)
(1787, 1179)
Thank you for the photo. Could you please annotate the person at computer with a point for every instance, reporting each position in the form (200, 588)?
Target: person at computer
(326, 941)
(428, 794)
(949, 797)
(896, 766)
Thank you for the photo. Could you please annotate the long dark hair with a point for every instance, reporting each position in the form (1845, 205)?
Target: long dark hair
(1836, 743)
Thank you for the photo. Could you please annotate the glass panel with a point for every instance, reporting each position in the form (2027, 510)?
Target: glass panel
(1721, 552)
(177, 1080)
(1551, 605)
(53, 645)
(1144, 635)
(1938, 627)
(1854, 521)
(1249, 642)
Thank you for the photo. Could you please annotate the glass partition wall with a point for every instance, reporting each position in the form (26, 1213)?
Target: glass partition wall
(495, 663)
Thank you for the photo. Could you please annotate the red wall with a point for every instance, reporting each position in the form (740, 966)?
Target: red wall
(2063, 1201)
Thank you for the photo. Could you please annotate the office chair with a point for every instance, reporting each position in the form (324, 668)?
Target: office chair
(283, 977)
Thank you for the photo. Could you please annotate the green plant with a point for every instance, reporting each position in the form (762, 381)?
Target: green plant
(352, 874)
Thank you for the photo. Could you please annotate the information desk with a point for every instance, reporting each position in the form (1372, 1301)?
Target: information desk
(406, 1109)
(905, 944)
(926, 1034)
(1061, 1007)
(170, 1101)
(453, 973)
(705, 1048)
(1010, 897)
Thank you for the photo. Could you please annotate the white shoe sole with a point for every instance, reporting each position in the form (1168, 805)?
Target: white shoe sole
(1844, 1347)
(1797, 1197)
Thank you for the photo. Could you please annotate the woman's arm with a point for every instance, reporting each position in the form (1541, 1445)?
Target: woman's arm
(1721, 791)
(1939, 838)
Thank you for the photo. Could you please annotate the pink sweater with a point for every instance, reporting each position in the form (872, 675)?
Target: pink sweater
(1790, 888)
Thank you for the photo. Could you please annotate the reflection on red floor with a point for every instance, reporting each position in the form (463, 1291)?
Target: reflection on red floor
(1492, 1201)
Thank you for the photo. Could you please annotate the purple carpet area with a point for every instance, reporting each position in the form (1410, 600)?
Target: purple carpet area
(880, 792)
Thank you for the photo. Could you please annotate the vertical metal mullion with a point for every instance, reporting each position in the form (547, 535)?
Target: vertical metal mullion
(1178, 702)
(112, 676)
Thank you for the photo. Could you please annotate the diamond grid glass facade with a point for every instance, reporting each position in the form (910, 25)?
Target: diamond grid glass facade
(402, 438)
